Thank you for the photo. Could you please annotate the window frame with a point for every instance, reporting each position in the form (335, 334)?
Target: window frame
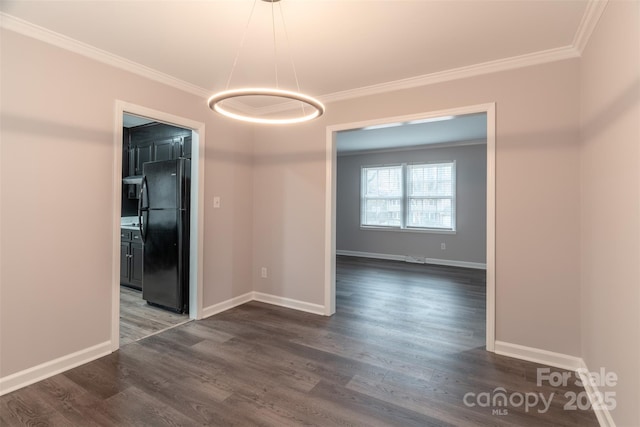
(405, 199)
(363, 196)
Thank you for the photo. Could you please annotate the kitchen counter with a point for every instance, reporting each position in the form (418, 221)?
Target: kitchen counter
(129, 223)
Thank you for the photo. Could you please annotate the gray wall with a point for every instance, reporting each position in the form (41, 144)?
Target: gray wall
(469, 242)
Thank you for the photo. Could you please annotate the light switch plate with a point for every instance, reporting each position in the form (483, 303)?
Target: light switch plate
(216, 202)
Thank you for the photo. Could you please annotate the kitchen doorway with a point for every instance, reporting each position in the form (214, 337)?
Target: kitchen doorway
(331, 190)
(167, 151)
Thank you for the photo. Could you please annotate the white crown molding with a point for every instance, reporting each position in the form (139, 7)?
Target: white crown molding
(37, 32)
(590, 19)
(428, 146)
(535, 58)
(526, 60)
(587, 24)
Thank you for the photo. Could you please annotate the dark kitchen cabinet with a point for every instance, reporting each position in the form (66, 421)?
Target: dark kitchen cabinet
(124, 262)
(143, 153)
(164, 150)
(186, 147)
(131, 258)
(151, 143)
(155, 151)
(136, 264)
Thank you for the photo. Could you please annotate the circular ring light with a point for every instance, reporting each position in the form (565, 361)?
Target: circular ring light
(215, 100)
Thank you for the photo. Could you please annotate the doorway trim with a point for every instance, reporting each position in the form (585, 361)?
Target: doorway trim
(330, 203)
(197, 209)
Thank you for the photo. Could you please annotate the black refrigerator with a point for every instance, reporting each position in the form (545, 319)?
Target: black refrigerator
(163, 211)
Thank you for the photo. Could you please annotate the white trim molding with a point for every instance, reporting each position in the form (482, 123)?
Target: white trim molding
(372, 255)
(520, 61)
(226, 305)
(562, 361)
(536, 355)
(602, 413)
(289, 303)
(449, 144)
(491, 227)
(53, 367)
(454, 263)
(413, 259)
(504, 64)
(196, 248)
(37, 32)
(589, 20)
(330, 202)
(267, 299)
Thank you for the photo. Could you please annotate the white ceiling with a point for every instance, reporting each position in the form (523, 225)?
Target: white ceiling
(337, 46)
(469, 128)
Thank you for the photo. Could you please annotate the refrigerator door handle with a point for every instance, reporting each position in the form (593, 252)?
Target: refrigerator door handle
(144, 195)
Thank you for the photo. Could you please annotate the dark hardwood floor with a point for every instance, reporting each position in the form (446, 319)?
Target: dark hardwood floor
(139, 319)
(404, 349)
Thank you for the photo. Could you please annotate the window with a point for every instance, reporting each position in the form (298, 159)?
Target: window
(382, 196)
(409, 196)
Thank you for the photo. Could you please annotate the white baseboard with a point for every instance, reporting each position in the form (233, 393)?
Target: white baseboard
(454, 263)
(561, 361)
(371, 255)
(289, 303)
(48, 369)
(536, 355)
(226, 305)
(266, 298)
(602, 413)
(408, 258)
(53, 367)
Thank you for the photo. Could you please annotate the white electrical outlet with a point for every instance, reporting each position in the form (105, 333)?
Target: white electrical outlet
(216, 202)
(263, 272)
(443, 246)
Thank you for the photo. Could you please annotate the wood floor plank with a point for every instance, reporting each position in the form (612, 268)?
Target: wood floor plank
(405, 347)
(139, 319)
(68, 399)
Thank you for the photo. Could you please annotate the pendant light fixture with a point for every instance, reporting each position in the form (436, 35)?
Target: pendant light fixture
(216, 101)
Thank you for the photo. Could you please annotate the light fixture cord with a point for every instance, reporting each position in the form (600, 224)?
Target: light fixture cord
(293, 65)
(275, 45)
(244, 37)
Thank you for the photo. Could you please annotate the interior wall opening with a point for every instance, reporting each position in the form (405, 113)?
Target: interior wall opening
(154, 155)
(412, 199)
(157, 214)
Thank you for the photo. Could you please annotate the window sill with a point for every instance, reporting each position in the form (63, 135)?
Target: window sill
(409, 230)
